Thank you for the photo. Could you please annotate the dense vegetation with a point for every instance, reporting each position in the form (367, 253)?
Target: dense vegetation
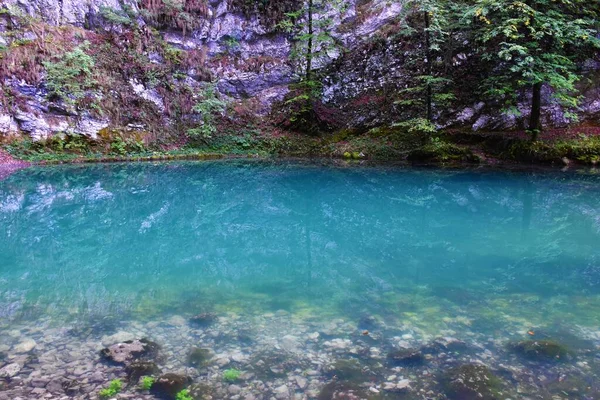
(504, 53)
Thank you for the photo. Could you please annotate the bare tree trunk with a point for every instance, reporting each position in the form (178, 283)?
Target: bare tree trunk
(535, 125)
(429, 69)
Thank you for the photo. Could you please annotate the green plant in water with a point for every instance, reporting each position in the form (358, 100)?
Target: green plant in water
(231, 375)
(147, 382)
(184, 395)
(113, 389)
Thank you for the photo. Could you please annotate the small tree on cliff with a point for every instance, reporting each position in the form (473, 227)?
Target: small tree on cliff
(428, 31)
(310, 30)
(529, 43)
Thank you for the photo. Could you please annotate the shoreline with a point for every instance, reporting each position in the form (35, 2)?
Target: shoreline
(9, 164)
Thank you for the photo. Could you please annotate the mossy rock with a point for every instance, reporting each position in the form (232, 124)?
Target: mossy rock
(204, 319)
(342, 135)
(346, 370)
(405, 357)
(198, 357)
(540, 350)
(168, 385)
(471, 382)
(341, 390)
(575, 387)
(385, 131)
(368, 322)
(137, 369)
(201, 391)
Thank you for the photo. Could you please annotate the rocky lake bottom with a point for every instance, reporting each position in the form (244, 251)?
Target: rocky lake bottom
(281, 355)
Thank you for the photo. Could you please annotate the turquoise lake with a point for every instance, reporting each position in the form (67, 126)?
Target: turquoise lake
(338, 259)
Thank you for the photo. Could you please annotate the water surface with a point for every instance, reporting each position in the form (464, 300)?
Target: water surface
(482, 256)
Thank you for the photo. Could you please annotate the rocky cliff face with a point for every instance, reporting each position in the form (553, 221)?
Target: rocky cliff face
(149, 77)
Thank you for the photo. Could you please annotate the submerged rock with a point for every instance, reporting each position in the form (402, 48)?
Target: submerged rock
(25, 346)
(198, 357)
(268, 365)
(471, 382)
(339, 390)
(137, 369)
(346, 370)
(10, 370)
(129, 351)
(445, 344)
(204, 319)
(201, 391)
(540, 350)
(368, 322)
(119, 337)
(168, 385)
(405, 357)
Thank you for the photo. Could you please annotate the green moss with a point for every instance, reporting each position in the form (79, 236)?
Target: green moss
(147, 382)
(231, 375)
(184, 395)
(113, 389)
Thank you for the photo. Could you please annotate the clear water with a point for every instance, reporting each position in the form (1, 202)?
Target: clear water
(483, 256)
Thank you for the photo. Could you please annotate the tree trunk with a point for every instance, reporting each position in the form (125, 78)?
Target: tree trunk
(428, 67)
(309, 50)
(535, 125)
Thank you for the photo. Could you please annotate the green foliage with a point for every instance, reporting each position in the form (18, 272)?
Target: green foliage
(431, 31)
(417, 125)
(585, 150)
(184, 395)
(527, 44)
(231, 375)
(174, 55)
(117, 17)
(113, 389)
(147, 382)
(72, 75)
(310, 29)
(208, 105)
(125, 146)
